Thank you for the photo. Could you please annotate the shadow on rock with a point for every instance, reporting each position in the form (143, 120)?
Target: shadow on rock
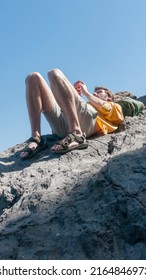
(12, 162)
(89, 211)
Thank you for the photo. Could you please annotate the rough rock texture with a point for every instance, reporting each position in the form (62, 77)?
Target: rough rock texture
(123, 94)
(88, 204)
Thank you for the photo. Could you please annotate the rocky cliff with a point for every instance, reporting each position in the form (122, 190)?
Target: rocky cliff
(88, 204)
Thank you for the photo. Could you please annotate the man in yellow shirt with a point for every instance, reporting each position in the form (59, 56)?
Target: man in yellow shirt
(69, 115)
(109, 113)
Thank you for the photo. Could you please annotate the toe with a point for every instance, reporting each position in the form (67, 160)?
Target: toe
(56, 147)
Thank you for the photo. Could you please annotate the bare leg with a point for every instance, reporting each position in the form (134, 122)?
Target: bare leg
(39, 98)
(65, 95)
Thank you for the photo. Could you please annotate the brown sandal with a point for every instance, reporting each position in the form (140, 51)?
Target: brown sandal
(41, 145)
(81, 140)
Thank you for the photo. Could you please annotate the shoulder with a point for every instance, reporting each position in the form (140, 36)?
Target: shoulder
(112, 105)
(110, 108)
(107, 106)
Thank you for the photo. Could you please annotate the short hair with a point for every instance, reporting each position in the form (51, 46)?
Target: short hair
(108, 92)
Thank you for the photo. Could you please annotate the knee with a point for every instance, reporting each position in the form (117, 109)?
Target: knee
(32, 78)
(54, 74)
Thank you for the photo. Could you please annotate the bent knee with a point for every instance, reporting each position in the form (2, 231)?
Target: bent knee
(33, 77)
(55, 73)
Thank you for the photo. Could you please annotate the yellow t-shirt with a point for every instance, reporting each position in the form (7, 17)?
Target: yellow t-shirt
(110, 116)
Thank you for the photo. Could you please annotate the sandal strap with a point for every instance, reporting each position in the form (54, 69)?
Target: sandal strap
(37, 140)
(41, 145)
(72, 137)
(28, 150)
(79, 139)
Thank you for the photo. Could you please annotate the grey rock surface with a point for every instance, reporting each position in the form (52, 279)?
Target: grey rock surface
(87, 204)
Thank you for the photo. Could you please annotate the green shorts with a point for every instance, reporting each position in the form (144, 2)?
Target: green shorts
(86, 114)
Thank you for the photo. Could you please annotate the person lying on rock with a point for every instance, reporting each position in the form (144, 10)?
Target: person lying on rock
(68, 114)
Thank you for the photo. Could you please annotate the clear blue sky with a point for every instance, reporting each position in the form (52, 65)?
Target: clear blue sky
(102, 42)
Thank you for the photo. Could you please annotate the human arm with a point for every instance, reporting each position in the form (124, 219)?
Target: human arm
(94, 100)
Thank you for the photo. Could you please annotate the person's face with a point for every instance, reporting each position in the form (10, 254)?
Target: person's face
(100, 93)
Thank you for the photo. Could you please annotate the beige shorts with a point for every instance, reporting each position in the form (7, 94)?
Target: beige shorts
(86, 114)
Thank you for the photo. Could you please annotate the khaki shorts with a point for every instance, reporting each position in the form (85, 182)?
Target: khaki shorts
(86, 114)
